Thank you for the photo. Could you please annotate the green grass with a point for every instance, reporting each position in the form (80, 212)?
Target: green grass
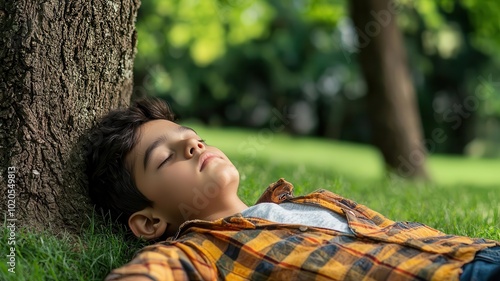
(463, 200)
(41, 256)
(354, 161)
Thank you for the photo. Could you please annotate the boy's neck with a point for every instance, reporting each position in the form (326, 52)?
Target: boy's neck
(226, 209)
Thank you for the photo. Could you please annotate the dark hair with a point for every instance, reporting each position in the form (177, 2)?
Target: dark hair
(111, 185)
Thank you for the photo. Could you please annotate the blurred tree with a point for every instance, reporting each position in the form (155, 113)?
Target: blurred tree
(235, 62)
(61, 67)
(396, 126)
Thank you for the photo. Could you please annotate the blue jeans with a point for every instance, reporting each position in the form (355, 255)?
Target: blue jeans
(484, 267)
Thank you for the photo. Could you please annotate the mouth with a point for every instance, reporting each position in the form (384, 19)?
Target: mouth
(204, 159)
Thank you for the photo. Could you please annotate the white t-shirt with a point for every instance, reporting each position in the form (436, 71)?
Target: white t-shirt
(295, 213)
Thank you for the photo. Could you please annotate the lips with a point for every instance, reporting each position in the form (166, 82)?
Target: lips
(204, 158)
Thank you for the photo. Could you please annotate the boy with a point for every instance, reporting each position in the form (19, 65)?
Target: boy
(164, 182)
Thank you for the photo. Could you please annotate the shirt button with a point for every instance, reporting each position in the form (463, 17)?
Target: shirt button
(302, 228)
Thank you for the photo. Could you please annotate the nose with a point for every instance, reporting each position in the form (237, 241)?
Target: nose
(193, 146)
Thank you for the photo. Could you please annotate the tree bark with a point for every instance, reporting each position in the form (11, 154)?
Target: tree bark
(396, 124)
(63, 64)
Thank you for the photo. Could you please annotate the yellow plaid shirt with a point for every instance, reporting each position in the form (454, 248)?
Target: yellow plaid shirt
(238, 248)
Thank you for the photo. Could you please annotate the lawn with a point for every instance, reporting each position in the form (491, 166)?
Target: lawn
(463, 199)
(355, 161)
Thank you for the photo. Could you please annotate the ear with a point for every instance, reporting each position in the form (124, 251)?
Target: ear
(145, 224)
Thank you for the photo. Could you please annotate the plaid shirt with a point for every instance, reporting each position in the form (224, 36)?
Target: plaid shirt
(238, 248)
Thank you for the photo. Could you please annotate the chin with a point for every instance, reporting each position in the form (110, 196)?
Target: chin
(226, 177)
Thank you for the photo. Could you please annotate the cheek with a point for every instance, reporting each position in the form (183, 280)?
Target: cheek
(175, 183)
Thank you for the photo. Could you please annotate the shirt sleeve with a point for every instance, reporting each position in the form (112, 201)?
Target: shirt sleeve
(172, 262)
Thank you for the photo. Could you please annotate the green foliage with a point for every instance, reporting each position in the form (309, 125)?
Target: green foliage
(429, 11)
(481, 16)
(202, 28)
(484, 16)
(323, 11)
(250, 65)
(230, 62)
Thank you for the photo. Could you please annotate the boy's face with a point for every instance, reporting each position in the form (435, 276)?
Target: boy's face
(184, 177)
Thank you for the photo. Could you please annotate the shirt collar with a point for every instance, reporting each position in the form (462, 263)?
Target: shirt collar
(277, 192)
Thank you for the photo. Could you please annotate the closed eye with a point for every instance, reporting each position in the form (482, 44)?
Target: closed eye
(165, 161)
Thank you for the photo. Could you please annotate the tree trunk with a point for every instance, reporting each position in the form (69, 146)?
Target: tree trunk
(396, 124)
(63, 64)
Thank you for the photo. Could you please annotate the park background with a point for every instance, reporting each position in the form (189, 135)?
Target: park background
(292, 68)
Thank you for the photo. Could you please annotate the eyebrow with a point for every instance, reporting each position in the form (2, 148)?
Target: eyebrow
(161, 139)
